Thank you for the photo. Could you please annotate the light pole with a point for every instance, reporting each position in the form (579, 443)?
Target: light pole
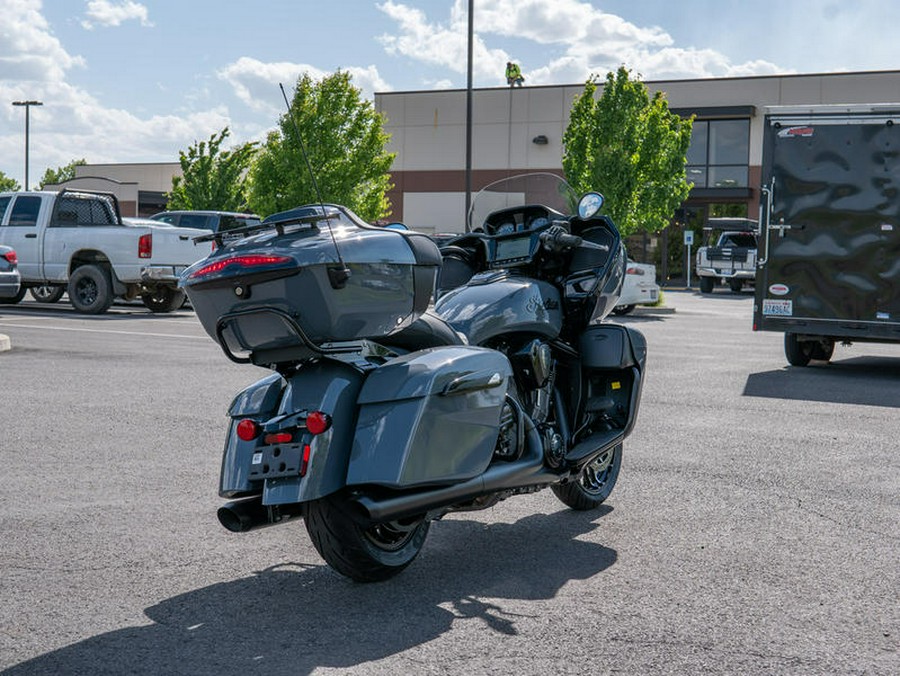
(27, 105)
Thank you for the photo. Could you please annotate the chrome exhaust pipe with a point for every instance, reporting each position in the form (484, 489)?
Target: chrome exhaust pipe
(240, 516)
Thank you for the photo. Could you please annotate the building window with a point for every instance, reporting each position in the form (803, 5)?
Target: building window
(719, 154)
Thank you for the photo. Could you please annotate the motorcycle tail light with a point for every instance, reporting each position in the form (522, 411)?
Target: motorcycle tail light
(248, 430)
(317, 422)
(245, 261)
(278, 438)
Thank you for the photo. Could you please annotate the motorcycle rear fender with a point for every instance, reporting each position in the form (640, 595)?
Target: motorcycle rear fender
(429, 417)
(328, 386)
(617, 355)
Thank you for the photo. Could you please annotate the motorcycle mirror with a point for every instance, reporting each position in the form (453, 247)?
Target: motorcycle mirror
(589, 204)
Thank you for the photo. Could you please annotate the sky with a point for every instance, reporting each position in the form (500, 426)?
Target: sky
(132, 81)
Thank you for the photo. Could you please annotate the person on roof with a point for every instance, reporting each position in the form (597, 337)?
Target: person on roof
(514, 76)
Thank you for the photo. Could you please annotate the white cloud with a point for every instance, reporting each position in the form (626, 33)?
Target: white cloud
(108, 13)
(28, 49)
(592, 42)
(256, 83)
(72, 124)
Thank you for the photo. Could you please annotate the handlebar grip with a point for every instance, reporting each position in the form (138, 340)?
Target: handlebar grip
(570, 240)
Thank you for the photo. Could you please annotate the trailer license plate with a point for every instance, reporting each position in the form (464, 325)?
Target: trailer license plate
(777, 308)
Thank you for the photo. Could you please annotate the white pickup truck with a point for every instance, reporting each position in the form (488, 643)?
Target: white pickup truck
(732, 258)
(77, 241)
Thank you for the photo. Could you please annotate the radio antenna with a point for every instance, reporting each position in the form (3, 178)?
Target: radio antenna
(339, 275)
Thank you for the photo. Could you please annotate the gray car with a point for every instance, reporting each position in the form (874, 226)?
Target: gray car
(10, 281)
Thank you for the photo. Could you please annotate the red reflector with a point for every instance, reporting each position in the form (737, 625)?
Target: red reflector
(279, 438)
(245, 261)
(247, 430)
(145, 246)
(305, 463)
(317, 422)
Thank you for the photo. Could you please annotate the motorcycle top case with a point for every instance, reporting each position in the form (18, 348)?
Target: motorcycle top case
(429, 417)
(276, 289)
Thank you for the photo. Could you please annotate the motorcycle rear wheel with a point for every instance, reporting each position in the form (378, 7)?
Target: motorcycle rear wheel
(370, 554)
(596, 482)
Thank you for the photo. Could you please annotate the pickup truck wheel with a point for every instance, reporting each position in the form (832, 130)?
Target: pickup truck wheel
(706, 284)
(163, 299)
(798, 352)
(735, 285)
(622, 309)
(49, 293)
(90, 290)
(12, 300)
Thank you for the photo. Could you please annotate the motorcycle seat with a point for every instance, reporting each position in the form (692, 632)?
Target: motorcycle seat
(429, 330)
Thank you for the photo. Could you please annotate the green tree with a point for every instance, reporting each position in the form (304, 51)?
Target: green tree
(345, 141)
(631, 148)
(8, 184)
(60, 174)
(212, 178)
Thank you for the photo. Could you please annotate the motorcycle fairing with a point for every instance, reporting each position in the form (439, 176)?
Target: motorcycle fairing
(429, 417)
(496, 303)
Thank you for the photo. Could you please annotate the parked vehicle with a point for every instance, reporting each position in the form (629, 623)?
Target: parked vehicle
(77, 242)
(381, 416)
(639, 287)
(830, 248)
(10, 280)
(214, 221)
(732, 259)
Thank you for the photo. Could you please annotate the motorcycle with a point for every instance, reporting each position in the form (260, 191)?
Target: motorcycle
(384, 413)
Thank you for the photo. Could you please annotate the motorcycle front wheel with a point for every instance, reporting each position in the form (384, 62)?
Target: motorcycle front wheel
(364, 554)
(594, 484)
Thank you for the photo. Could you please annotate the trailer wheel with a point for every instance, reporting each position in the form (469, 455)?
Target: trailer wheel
(823, 350)
(798, 352)
(623, 309)
(707, 284)
(364, 554)
(90, 290)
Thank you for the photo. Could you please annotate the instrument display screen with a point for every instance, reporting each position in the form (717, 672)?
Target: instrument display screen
(507, 249)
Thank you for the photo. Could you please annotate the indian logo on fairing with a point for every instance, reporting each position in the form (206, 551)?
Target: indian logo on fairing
(779, 289)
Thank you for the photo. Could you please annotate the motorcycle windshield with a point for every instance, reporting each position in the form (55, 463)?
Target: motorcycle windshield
(542, 188)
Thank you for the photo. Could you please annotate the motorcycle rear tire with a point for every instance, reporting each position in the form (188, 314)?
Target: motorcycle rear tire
(596, 482)
(363, 554)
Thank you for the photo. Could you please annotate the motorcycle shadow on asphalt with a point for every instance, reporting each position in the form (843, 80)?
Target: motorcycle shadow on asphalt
(296, 617)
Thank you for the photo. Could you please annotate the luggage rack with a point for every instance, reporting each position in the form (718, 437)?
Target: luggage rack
(356, 352)
(279, 222)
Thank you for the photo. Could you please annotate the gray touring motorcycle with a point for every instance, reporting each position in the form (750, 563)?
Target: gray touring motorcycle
(382, 415)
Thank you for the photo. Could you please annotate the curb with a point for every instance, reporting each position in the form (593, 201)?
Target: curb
(4, 343)
(644, 310)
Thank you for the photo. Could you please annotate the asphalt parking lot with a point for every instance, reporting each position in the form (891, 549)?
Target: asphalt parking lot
(755, 527)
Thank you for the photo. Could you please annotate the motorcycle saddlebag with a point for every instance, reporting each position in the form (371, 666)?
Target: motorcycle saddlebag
(429, 417)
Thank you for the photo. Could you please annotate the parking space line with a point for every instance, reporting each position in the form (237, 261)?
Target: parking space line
(123, 333)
